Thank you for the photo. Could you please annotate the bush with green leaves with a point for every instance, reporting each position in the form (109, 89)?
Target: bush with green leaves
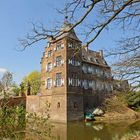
(133, 99)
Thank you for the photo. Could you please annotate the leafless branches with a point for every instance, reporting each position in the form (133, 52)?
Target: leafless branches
(98, 15)
(109, 10)
(39, 32)
(128, 66)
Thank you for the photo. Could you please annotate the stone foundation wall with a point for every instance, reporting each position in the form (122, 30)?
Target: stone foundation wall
(93, 100)
(37, 104)
(75, 107)
(14, 101)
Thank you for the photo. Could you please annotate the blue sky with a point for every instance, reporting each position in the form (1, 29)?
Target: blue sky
(15, 22)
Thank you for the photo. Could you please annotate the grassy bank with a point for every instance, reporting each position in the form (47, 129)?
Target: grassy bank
(116, 109)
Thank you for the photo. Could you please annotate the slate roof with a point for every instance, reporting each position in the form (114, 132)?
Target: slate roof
(93, 57)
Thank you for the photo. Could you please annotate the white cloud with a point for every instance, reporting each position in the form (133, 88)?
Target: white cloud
(2, 70)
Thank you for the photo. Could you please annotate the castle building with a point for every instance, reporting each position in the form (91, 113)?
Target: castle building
(73, 77)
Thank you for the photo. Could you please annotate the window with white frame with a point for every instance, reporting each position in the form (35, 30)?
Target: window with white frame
(90, 84)
(58, 46)
(74, 62)
(85, 84)
(49, 66)
(49, 83)
(97, 85)
(58, 79)
(50, 53)
(70, 45)
(89, 69)
(93, 69)
(74, 79)
(107, 74)
(99, 72)
(58, 60)
(93, 84)
(85, 68)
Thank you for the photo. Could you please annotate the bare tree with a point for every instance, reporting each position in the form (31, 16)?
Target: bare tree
(128, 65)
(123, 14)
(5, 83)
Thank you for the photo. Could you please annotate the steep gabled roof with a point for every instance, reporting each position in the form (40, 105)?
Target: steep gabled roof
(64, 31)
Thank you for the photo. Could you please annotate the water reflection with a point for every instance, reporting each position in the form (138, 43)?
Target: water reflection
(95, 131)
(81, 131)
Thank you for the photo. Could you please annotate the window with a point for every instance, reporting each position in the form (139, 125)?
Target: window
(74, 62)
(58, 47)
(107, 74)
(50, 53)
(85, 68)
(97, 85)
(74, 75)
(58, 60)
(94, 85)
(89, 69)
(70, 45)
(49, 83)
(58, 105)
(58, 79)
(74, 79)
(97, 61)
(91, 59)
(85, 84)
(75, 105)
(49, 66)
(99, 72)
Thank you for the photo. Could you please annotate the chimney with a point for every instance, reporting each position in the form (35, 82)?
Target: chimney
(50, 38)
(101, 53)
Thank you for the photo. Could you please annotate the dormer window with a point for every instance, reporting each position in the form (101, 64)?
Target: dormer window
(91, 59)
(97, 61)
(70, 45)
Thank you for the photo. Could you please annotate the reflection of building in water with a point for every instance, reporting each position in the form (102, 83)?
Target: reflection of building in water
(81, 131)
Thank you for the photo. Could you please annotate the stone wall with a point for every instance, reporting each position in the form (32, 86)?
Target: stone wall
(93, 100)
(14, 101)
(75, 107)
(37, 104)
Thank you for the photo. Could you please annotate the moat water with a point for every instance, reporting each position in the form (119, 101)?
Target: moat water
(81, 131)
